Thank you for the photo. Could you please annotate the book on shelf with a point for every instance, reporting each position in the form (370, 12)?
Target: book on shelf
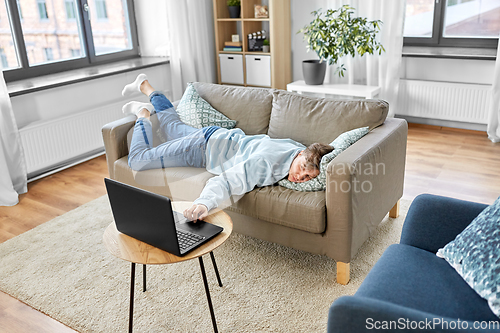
(235, 44)
(233, 49)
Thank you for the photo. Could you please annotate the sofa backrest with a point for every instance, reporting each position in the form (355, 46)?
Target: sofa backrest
(250, 107)
(309, 119)
(283, 114)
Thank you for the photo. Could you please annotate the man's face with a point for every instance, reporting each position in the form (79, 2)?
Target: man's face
(298, 172)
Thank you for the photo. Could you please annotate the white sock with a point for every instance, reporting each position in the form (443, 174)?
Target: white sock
(135, 107)
(134, 87)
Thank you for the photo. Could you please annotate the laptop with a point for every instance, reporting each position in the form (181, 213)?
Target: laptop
(149, 217)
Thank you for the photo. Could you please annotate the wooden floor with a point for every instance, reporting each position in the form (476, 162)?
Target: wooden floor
(456, 163)
(451, 162)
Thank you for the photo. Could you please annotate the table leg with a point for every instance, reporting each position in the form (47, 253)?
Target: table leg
(215, 267)
(205, 282)
(131, 314)
(143, 278)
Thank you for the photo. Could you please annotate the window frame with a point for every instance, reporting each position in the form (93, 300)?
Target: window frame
(26, 72)
(18, 6)
(437, 39)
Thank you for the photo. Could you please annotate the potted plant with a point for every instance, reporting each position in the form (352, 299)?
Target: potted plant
(334, 34)
(265, 46)
(234, 8)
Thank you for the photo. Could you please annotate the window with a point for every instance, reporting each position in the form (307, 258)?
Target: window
(59, 35)
(70, 9)
(100, 6)
(463, 23)
(7, 44)
(49, 56)
(3, 58)
(42, 10)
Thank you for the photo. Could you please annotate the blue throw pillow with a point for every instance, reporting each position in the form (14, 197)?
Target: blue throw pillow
(341, 143)
(475, 255)
(197, 112)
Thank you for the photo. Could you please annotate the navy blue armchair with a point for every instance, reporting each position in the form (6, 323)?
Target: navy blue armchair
(410, 288)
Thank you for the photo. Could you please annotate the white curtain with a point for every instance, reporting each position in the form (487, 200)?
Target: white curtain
(192, 43)
(376, 70)
(493, 129)
(13, 177)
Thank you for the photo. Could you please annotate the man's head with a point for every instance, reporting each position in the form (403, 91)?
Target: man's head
(305, 165)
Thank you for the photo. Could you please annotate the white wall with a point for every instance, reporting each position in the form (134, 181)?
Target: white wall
(300, 16)
(79, 97)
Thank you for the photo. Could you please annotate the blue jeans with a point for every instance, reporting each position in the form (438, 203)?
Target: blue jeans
(184, 145)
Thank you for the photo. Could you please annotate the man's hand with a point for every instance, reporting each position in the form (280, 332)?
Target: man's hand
(196, 212)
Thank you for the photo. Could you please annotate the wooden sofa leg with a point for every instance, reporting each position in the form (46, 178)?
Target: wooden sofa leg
(394, 212)
(343, 272)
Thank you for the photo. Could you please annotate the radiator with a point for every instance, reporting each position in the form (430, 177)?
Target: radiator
(445, 101)
(51, 143)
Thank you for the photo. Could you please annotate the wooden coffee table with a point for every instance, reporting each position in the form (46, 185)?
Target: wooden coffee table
(137, 252)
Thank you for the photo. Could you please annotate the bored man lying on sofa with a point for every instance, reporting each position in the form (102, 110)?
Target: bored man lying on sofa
(240, 162)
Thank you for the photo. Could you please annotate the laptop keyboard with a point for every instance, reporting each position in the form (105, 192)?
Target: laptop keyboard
(187, 239)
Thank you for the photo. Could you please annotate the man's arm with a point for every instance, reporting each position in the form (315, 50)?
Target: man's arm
(237, 180)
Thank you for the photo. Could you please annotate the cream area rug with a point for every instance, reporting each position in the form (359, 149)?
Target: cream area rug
(63, 269)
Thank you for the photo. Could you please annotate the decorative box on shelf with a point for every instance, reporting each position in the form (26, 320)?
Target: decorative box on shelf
(256, 41)
(231, 68)
(261, 11)
(258, 70)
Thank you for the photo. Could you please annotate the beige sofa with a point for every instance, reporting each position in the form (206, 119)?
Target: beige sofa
(364, 182)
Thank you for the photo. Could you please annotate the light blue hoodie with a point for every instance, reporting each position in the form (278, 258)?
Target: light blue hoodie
(248, 161)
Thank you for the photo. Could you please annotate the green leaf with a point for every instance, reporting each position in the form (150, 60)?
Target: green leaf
(336, 33)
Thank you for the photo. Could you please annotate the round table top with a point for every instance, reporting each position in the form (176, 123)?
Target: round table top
(133, 250)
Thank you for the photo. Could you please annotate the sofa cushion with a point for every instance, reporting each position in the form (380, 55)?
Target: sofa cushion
(250, 107)
(418, 279)
(475, 254)
(276, 204)
(195, 111)
(308, 119)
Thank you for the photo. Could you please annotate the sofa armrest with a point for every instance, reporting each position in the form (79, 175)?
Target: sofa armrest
(363, 314)
(114, 135)
(363, 183)
(433, 221)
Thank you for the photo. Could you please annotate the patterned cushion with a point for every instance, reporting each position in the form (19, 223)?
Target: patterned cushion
(195, 111)
(475, 254)
(341, 143)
